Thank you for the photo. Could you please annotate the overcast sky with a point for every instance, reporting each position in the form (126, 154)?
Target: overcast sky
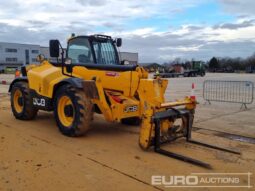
(159, 30)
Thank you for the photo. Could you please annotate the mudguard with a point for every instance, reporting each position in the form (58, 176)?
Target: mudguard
(19, 79)
(75, 82)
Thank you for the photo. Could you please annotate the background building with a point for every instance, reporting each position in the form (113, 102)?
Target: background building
(14, 55)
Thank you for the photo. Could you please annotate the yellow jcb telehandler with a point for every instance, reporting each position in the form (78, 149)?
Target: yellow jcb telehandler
(92, 79)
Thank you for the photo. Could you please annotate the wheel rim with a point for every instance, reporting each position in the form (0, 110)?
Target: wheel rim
(18, 101)
(66, 120)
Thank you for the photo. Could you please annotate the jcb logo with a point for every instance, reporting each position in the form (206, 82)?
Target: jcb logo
(39, 102)
(133, 108)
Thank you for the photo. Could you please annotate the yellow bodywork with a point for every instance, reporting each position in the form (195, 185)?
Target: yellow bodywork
(139, 96)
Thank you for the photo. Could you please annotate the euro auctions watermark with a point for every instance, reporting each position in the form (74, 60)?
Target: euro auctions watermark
(203, 180)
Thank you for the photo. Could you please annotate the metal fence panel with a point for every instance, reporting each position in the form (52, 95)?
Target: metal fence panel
(228, 91)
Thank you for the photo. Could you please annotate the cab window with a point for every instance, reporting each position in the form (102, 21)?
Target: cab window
(105, 52)
(79, 51)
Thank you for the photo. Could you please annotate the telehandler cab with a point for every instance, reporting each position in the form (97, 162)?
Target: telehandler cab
(93, 79)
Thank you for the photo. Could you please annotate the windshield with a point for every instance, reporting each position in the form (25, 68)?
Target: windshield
(105, 52)
(79, 51)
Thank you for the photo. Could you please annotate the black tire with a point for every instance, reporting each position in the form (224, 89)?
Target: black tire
(133, 121)
(82, 111)
(28, 111)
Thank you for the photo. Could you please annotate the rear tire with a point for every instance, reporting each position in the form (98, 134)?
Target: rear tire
(21, 102)
(73, 111)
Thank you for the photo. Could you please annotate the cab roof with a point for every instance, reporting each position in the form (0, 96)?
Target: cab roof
(95, 37)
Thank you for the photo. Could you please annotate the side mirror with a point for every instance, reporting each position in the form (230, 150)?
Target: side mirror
(54, 48)
(118, 42)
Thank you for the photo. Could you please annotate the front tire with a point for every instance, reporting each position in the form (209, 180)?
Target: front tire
(21, 102)
(73, 111)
